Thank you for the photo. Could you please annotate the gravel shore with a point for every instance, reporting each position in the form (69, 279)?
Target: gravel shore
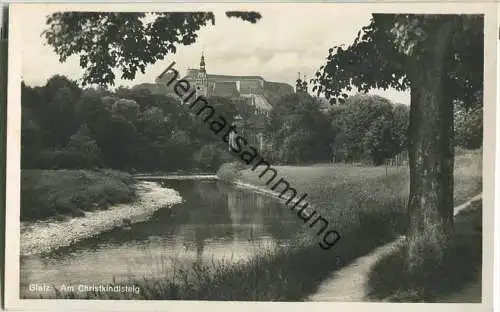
(43, 236)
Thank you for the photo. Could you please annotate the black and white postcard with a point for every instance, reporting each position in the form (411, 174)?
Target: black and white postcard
(242, 156)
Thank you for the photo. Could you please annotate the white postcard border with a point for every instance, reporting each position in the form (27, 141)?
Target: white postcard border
(12, 300)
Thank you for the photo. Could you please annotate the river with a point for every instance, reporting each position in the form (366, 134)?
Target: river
(215, 222)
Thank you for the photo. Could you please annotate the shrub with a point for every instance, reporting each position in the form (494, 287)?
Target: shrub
(369, 127)
(53, 193)
(230, 172)
(208, 157)
(469, 128)
(84, 149)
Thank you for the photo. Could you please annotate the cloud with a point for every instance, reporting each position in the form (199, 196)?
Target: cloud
(290, 38)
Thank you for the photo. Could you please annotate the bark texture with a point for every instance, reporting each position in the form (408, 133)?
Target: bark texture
(431, 155)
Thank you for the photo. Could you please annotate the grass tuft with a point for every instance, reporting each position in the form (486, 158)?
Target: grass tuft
(60, 194)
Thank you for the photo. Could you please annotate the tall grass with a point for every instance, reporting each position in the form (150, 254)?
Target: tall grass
(65, 193)
(278, 274)
(389, 280)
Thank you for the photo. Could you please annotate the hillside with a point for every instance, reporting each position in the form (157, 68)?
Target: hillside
(273, 91)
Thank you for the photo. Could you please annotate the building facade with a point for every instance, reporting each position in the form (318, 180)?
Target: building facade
(254, 90)
(253, 96)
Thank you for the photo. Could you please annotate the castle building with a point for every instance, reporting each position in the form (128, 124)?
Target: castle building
(247, 92)
(253, 90)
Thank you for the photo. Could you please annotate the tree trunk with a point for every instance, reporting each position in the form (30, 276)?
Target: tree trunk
(431, 156)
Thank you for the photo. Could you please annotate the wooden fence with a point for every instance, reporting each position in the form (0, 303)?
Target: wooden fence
(399, 160)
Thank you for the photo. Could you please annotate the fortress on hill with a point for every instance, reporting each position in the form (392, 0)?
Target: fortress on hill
(252, 90)
(245, 91)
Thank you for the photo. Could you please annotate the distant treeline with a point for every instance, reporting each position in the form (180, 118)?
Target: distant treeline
(366, 128)
(64, 126)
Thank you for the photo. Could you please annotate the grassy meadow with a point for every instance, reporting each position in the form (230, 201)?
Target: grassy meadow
(389, 281)
(366, 205)
(69, 193)
(346, 194)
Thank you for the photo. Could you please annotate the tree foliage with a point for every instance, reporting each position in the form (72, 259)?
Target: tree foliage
(125, 41)
(369, 127)
(299, 131)
(83, 149)
(252, 17)
(468, 123)
(440, 58)
(127, 129)
(384, 53)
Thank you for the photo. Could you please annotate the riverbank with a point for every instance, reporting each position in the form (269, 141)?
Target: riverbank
(177, 177)
(371, 277)
(366, 205)
(45, 235)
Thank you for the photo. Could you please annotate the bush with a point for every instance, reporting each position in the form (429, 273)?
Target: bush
(299, 131)
(84, 149)
(208, 157)
(230, 172)
(56, 193)
(469, 128)
(81, 152)
(296, 148)
(369, 127)
(379, 141)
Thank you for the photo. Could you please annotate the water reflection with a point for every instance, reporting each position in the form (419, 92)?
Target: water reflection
(214, 222)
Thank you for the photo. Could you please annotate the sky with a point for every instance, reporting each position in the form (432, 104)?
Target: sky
(290, 38)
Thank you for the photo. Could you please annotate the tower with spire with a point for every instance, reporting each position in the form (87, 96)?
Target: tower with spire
(304, 85)
(201, 79)
(202, 63)
(301, 84)
(298, 84)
